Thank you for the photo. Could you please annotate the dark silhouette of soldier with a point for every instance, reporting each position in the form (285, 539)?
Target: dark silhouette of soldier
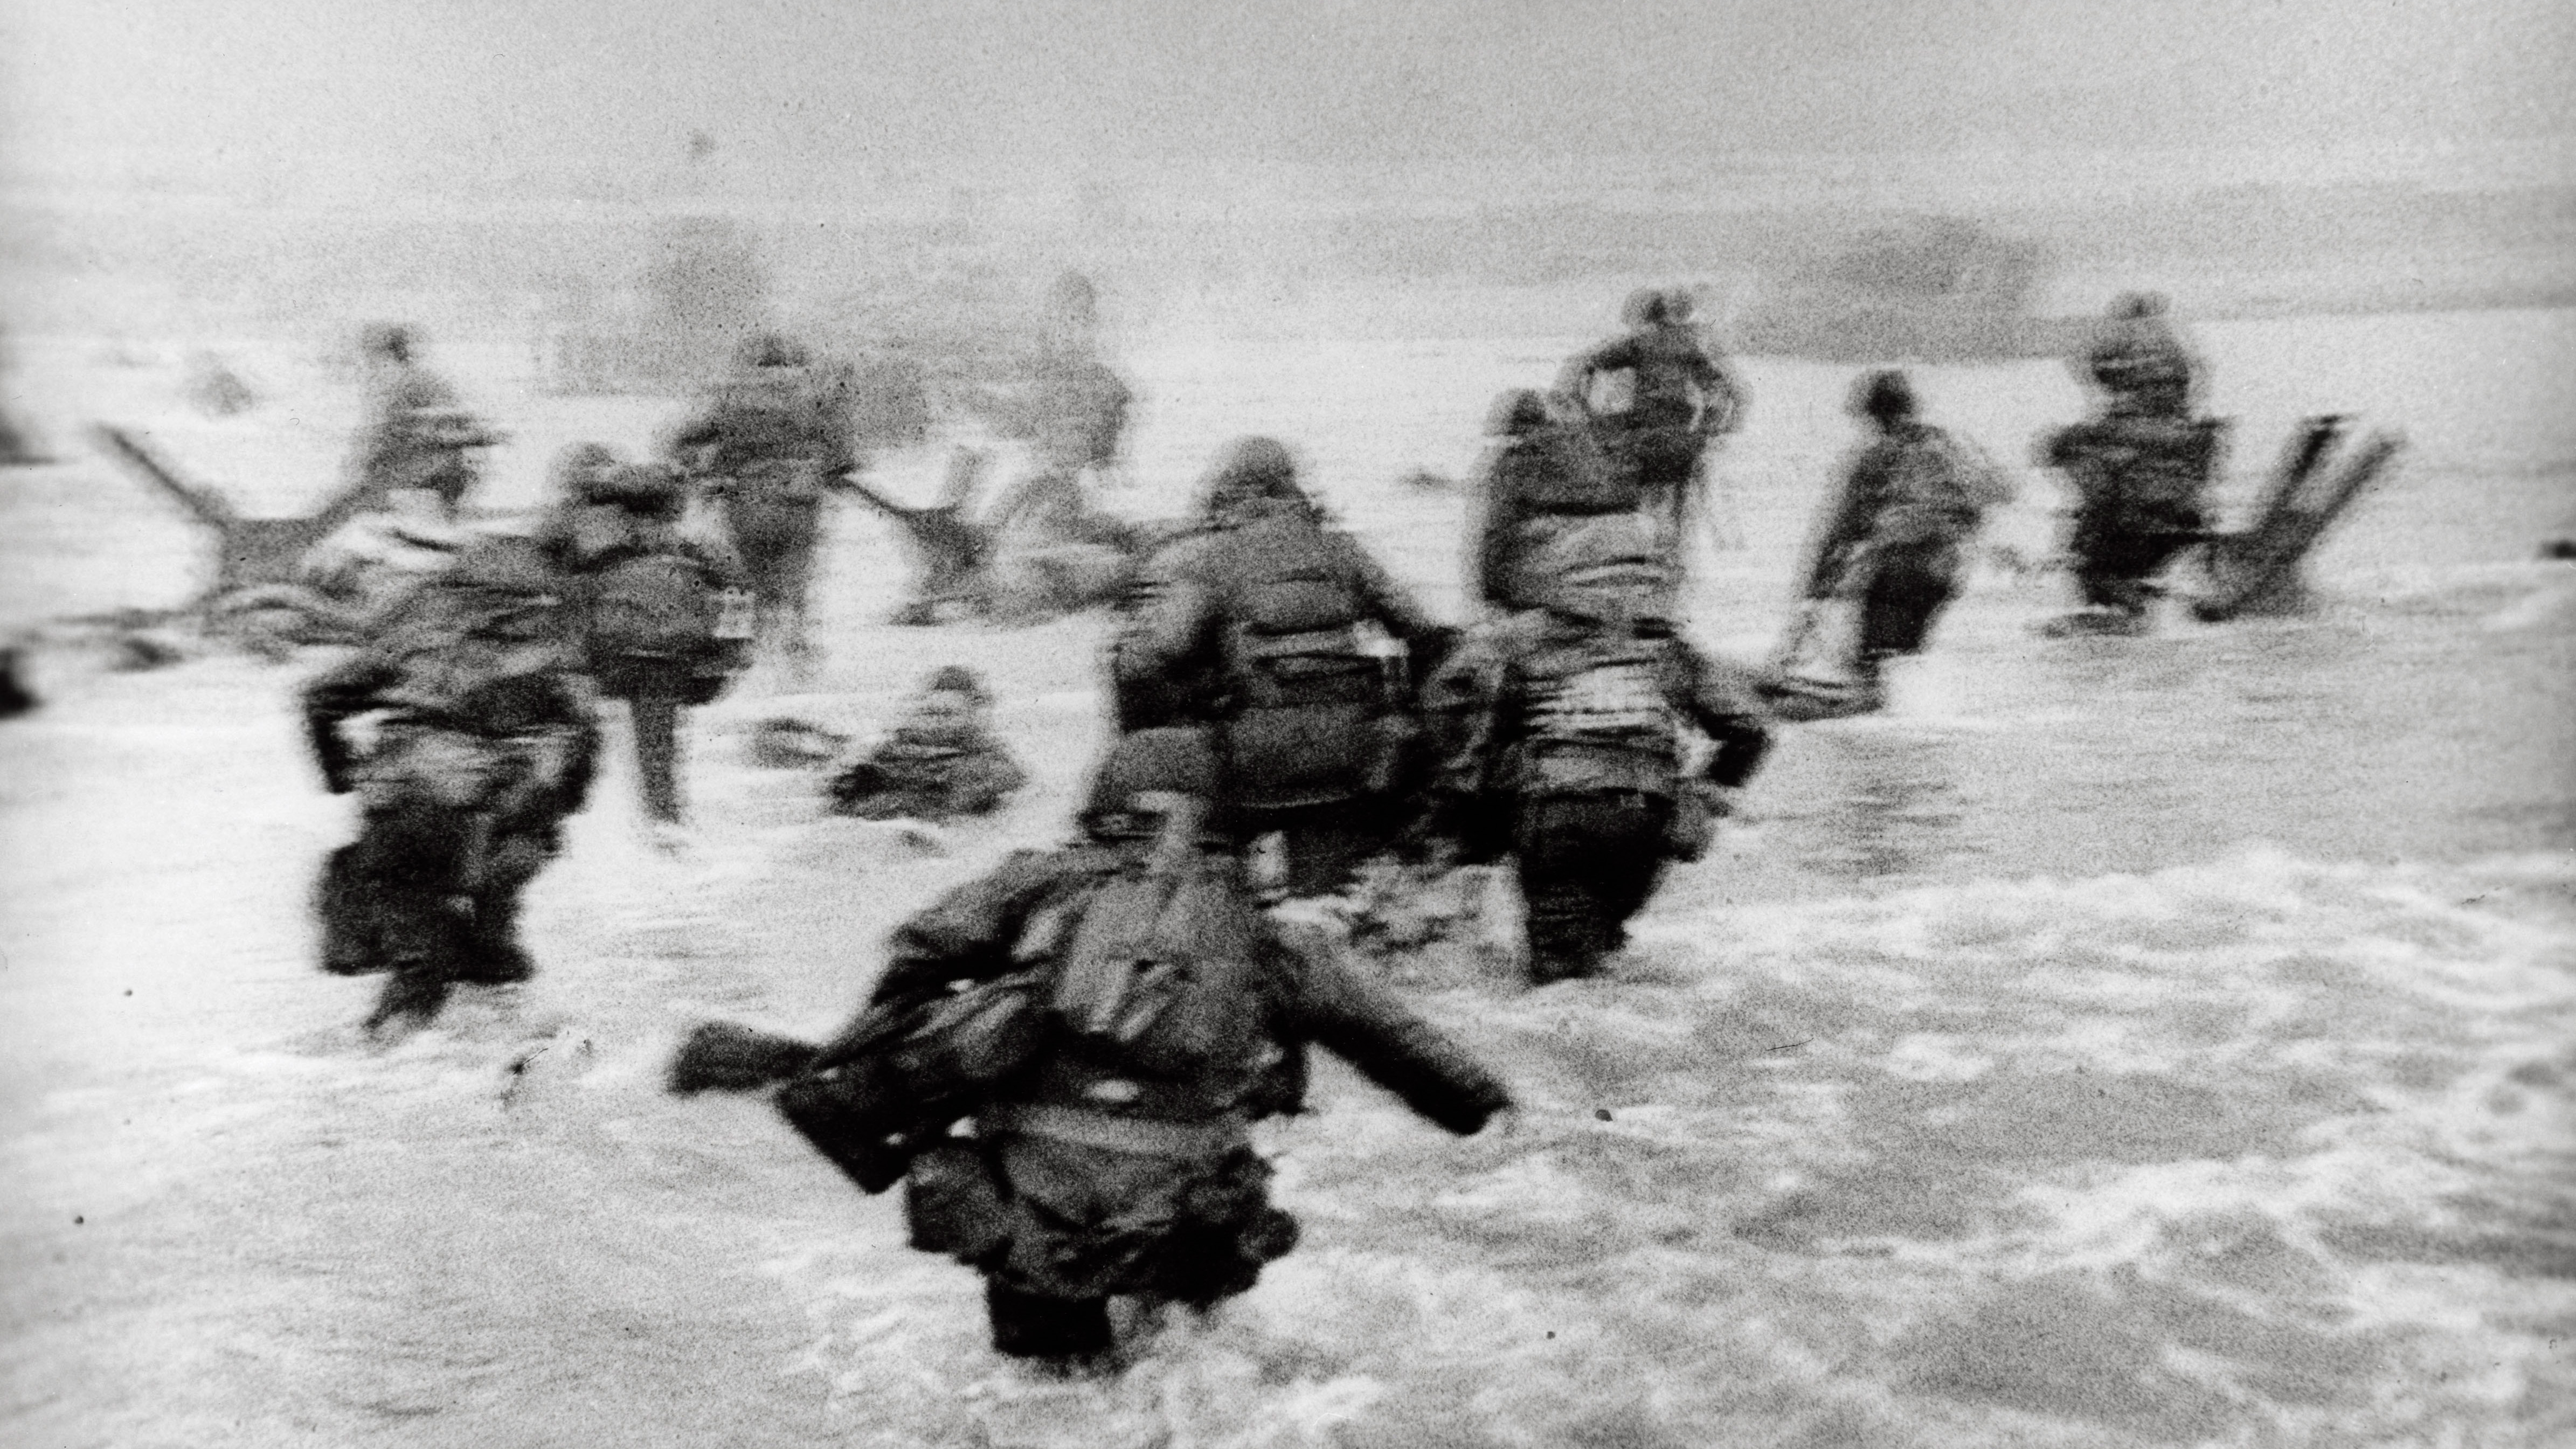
(484, 743)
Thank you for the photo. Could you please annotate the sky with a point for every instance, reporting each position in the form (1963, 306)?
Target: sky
(286, 94)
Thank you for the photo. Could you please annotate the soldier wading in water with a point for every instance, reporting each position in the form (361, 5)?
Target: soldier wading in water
(483, 744)
(1108, 1017)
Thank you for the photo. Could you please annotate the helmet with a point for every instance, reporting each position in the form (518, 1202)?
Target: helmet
(768, 349)
(1517, 412)
(1644, 307)
(386, 339)
(578, 470)
(1144, 764)
(1251, 469)
(1886, 396)
(955, 679)
(1607, 567)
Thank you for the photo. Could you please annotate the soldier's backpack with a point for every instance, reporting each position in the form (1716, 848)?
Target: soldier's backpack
(658, 604)
(1163, 967)
(1937, 489)
(1561, 468)
(1307, 719)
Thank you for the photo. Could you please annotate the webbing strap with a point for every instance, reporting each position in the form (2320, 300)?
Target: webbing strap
(1140, 1135)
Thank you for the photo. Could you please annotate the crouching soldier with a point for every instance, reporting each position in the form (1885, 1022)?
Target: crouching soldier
(1109, 1016)
(483, 744)
(1561, 743)
(939, 763)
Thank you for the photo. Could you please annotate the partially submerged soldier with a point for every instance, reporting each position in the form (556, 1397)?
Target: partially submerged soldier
(770, 446)
(1680, 398)
(661, 612)
(2140, 469)
(938, 763)
(417, 436)
(1894, 537)
(1298, 649)
(1108, 1018)
(484, 742)
(1561, 743)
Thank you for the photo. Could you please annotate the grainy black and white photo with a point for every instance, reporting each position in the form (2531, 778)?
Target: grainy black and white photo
(1454, 724)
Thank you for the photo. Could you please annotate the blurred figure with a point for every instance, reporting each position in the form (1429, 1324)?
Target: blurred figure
(664, 616)
(2138, 360)
(2140, 468)
(1299, 649)
(1078, 405)
(1680, 398)
(1895, 537)
(769, 445)
(485, 742)
(1560, 743)
(416, 435)
(1112, 1015)
(1544, 471)
(939, 762)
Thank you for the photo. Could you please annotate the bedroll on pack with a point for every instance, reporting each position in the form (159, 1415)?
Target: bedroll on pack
(1163, 964)
(1563, 468)
(655, 606)
(1612, 568)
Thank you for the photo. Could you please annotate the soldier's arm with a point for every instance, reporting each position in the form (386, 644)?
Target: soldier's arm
(1845, 521)
(1389, 602)
(330, 699)
(1575, 381)
(1463, 704)
(1718, 696)
(1168, 630)
(579, 724)
(1325, 1002)
(968, 934)
(1722, 396)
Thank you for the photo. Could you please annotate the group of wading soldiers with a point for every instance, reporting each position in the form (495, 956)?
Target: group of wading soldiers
(1061, 1060)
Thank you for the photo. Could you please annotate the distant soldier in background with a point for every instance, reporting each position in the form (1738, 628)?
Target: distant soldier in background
(484, 743)
(1560, 743)
(663, 615)
(1299, 649)
(1895, 536)
(416, 435)
(770, 446)
(1078, 406)
(1679, 398)
(2141, 468)
(939, 762)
